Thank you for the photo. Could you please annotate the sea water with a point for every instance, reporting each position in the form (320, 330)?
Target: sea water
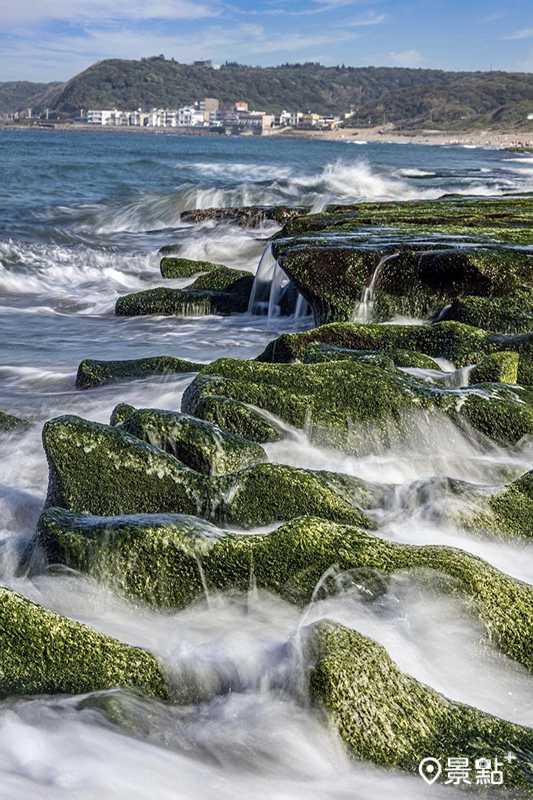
(82, 216)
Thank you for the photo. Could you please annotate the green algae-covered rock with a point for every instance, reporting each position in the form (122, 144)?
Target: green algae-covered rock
(8, 422)
(222, 291)
(121, 412)
(506, 511)
(44, 653)
(175, 267)
(100, 469)
(200, 445)
(403, 277)
(387, 717)
(496, 368)
(512, 313)
(317, 352)
(97, 373)
(224, 279)
(480, 220)
(158, 559)
(354, 405)
(462, 344)
(230, 415)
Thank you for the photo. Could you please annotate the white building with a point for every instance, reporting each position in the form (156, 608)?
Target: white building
(103, 117)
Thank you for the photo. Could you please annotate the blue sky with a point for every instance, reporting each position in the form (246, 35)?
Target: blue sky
(54, 39)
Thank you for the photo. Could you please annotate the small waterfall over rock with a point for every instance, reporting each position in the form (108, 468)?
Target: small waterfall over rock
(273, 294)
(364, 308)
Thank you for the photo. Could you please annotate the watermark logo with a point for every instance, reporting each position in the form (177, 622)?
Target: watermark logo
(430, 769)
(460, 770)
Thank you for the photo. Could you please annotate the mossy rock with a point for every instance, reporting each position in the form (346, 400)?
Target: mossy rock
(200, 445)
(233, 416)
(461, 344)
(354, 405)
(387, 717)
(100, 469)
(510, 314)
(93, 373)
(317, 352)
(496, 368)
(121, 412)
(176, 267)
(170, 249)
(507, 511)
(168, 560)
(44, 653)
(200, 299)
(9, 423)
(406, 278)
(480, 220)
(247, 216)
(224, 279)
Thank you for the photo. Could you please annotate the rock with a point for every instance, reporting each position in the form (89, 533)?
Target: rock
(44, 653)
(230, 415)
(413, 265)
(200, 445)
(99, 469)
(9, 423)
(507, 511)
(459, 343)
(222, 291)
(169, 560)
(496, 368)
(247, 216)
(93, 373)
(170, 249)
(121, 412)
(172, 267)
(512, 313)
(387, 717)
(317, 352)
(356, 406)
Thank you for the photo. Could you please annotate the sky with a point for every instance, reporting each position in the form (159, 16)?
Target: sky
(47, 40)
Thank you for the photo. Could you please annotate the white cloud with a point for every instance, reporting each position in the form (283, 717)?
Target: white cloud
(525, 33)
(371, 19)
(91, 11)
(493, 17)
(407, 58)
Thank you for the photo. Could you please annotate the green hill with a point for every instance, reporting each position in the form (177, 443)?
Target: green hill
(477, 100)
(16, 95)
(168, 84)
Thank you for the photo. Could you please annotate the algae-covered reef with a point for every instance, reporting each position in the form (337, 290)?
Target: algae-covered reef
(461, 259)
(170, 560)
(358, 402)
(101, 469)
(392, 719)
(44, 653)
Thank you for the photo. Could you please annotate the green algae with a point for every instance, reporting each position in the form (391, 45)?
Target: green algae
(355, 405)
(496, 368)
(221, 291)
(93, 373)
(176, 267)
(200, 445)
(100, 469)
(44, 653)
(168, 560)
(389, 718)
(9, 423)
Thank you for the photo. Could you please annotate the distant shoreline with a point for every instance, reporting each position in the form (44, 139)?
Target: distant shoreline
(358, 136)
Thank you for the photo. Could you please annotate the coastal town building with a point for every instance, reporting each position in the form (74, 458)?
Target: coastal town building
(234, 118)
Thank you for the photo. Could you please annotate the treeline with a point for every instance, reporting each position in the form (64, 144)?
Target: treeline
(166, 83)
(410, 99)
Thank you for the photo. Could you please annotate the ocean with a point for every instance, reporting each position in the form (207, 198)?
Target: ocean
(82, 217)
